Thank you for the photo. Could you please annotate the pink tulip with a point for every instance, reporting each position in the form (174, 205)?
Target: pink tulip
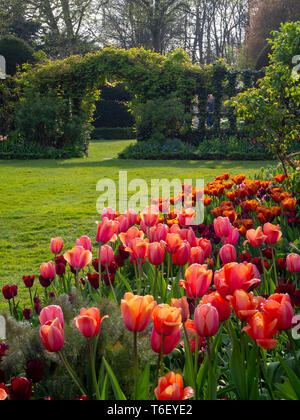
(205, 244)
(156, 253)
(233, 237)
(256, 237)
(85, 242)
(189, 236)
(56, 245)
(150, 216)
(228, 254)
(52, 336)
(293, 263)
(107, 255)
(50, 313)
(47, 270)
(182, 253)
(170, 342)
(131, 217)
(78, 257)
(206, 319)
(222, 227)
(159, 233)
(278, 306)
(272, 232)
(109, 213)
(107, 230)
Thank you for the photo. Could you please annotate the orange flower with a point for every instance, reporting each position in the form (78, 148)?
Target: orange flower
(167, 320)
(256, 237)
(183, 305)
(150, 215)
(198, 280)
(138, 249)
(131, 234)
(289, 204)
(245, 305)
(3, 395)
(89, 322)
(238, 179)
(170, 387)
(137, 311)
(273, 233)
(78, 257)
(280, 178)
(207, 201)
(262, 330)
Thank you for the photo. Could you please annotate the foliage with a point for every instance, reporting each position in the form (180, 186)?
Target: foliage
(16, 52)
(271, 111)
(115, 133)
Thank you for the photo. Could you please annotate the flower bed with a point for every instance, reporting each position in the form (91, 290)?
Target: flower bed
(166, 309)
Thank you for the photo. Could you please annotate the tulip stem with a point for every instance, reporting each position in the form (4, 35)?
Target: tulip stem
(189, 350)
(31, 300)
(92, 356)
(136, 364)
(71, 372)
(160, 358)
(155, 282)
(196, 356)
(265, 291)
(274, 265)
(110, 283)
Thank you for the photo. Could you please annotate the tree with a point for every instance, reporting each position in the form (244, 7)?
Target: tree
(267, 16)
(16, 52)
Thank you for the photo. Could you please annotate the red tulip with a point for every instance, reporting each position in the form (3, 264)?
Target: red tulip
(34, 371)
(262, 330)
(256, 237)
(50, 313)
(156, 253)
(205, 244)
(158, 233)
(222, 227)
(47, 270)
(182, 253)
(137, 311)
(278, 306)
(172, 242)
(189, 236)
(222, 305)
(182, 304)
(52, 336)
(206, 319)
(197, 255)
(28, 281)
(167, 320)
(20, 389)
(228, 254)
(78, 257)
(272, 232)
(293, 263)
(245, 305)
(89, 322)
(9, 292)
(170, 387)
(56, 245)
(198, 280)
(170, 342)
(138, 249)
(235, 276)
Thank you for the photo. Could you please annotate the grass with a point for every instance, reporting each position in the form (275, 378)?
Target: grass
(44, 199)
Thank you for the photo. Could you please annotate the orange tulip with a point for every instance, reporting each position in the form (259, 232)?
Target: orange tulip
(89, 322)
(138, 249)
(172, 241)
(222, 305)
(182, 304)
(278, 306)
(150, 216)
(132, 233)
(262, 330)
(56, 245)
(170, 387)
(78, 257)
(289, 204)
(273, 233)
(234, 276)
(3, 395)
(167, 320)
(137, 311)
(198, 280)
(197, 255)
(245, 305)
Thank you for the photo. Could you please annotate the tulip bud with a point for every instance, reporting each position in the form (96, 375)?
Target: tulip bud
(206, 319)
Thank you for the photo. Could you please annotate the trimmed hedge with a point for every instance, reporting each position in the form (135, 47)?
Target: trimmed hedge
(118, 133)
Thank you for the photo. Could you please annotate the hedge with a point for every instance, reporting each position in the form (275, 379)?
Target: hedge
(118, 133)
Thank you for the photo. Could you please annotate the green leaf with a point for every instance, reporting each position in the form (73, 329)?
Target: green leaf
(293, 378)
(143, 385)
(114, 383)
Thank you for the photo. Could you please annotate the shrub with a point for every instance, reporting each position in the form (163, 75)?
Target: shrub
(48, 121)
(16, 52)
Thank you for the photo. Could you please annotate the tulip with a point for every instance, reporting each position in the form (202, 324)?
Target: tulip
(272, 232)
(107, 230)
(172, 241)
(205, 244)
(186, 217)
(3, 394)
(123, 224)
(159, 233)
(94, 280)
(245, 305)
(198, 280)
(89, 322)
(78, 258)
(107, 256)
(131, 217)
(293, 263)
(85, 242)
(182, 253)
(150, 216)
(256, 237)
(262, 330)
(206, 319)
(222, 227)
(197, 255)
(170, 387)
(56, 245)
(156, 253)
(138, 249)
(20, 389)
(28, 281)
(50, 313)
(137, 311)
(278, 306)
(108, 213)
(222, 305)
(132, 233)
(27, 313)
(228, 254)
(9, 292)
(52, 336)
(34, 371)
(182, 304)
(167, 320)
(47, 271)
(234, 276)
(189, 236)
(233, 236)
(170, 342)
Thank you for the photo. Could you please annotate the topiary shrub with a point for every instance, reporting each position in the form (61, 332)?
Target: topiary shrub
(16, 52)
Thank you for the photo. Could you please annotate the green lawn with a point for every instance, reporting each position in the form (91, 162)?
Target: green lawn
(44, 199)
